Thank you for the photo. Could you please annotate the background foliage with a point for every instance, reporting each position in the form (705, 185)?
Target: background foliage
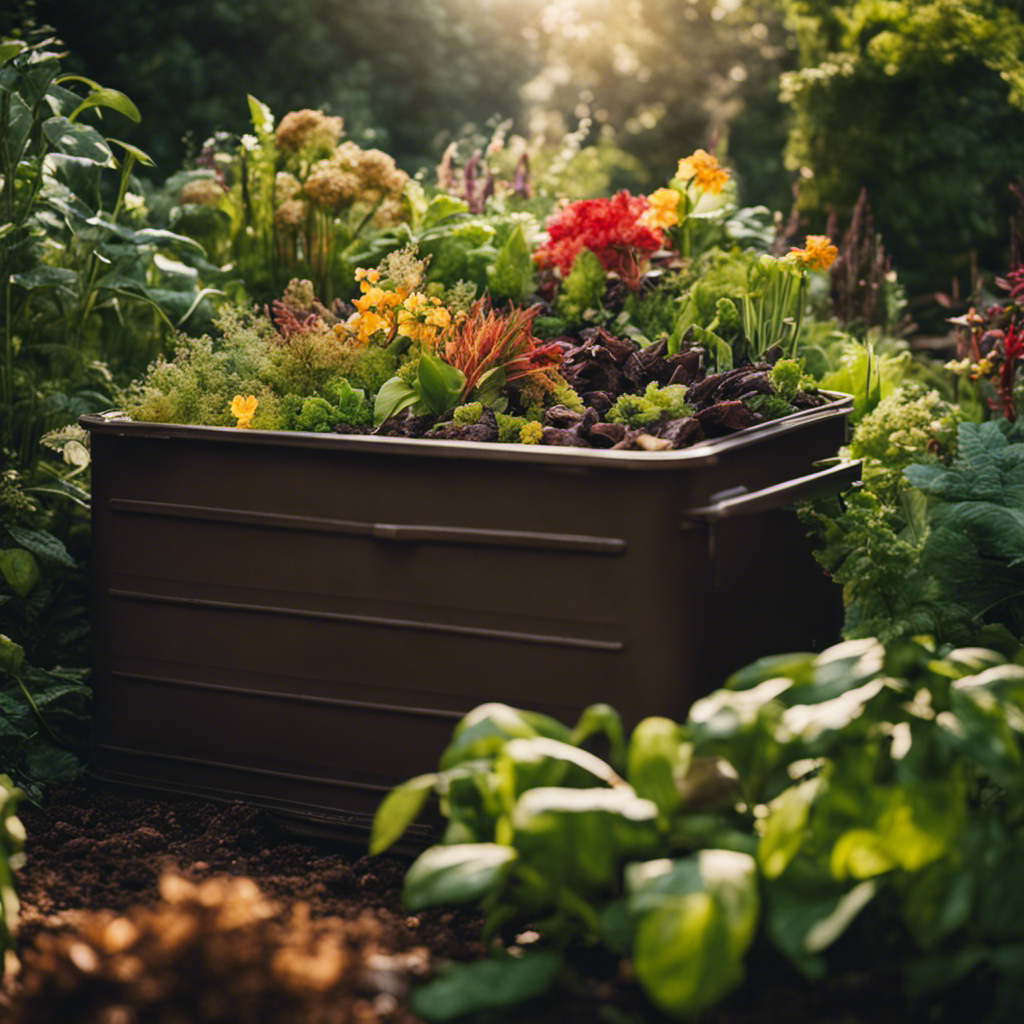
(921, 103)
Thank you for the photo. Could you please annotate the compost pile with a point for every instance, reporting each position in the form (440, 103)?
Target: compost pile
(602, 368)
(137, 910)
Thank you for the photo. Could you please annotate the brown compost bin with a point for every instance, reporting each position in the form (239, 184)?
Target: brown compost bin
(299, 620)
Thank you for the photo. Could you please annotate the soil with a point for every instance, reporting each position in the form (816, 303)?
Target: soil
(144, 911)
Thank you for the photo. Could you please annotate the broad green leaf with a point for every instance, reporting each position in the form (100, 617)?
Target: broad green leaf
(398, 810)
(730, 877)
(42, 544)
(77, 140)
(843, 667)
(658, 760)
(48, 763)
(440, 385)
(111, 99)
(512, 275)
(783, 830)
(394, 396)
(9, 49)
(582, 837)
(796, 667)
(814, 724)
(681, 954)
(19, 129)
(536, 761)
(440, 208)
(582, 290)
(602, 720)
(141, 155)
(11, 655)
(899, 826)
(487, 728)
(456, 874)
(20, 569)
(161, 236)
(44, 276)
(486, 985)
(488, 388)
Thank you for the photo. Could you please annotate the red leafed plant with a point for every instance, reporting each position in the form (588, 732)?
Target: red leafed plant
(610, 228)
(484, 340)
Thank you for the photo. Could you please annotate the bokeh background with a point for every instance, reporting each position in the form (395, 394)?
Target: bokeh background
(919, 101)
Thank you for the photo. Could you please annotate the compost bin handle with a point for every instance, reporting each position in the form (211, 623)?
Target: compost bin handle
(826, 481)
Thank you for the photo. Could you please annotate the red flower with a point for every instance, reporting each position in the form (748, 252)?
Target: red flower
(1013, 346)
(610, 228)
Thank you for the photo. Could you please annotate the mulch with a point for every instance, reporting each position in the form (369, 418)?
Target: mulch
(147, 911)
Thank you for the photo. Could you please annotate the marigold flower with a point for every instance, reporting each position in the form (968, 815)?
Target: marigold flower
(818, 252)
(243, 408)
(663, 211)
(704, 171)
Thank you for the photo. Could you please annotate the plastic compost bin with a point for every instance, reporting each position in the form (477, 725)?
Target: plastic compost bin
(299, 620)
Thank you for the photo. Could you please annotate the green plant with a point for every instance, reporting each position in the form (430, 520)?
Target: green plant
(44, 625)
(75, 269)
(477, 357)
(866, 801)
(668, 402)
(12, 840)
(935, 84)
(539, 833)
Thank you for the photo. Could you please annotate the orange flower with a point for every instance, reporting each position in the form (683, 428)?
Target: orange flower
(244, 408)
(818, 252)
(663, 211)
(704, 170)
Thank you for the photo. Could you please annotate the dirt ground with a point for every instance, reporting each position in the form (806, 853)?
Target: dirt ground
(141, 911)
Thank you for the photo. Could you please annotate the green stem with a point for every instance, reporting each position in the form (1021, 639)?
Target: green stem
(35, 710)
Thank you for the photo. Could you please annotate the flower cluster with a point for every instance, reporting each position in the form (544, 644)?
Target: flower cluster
(308, 132)
(611, 228)
(202, 192)
(397, 310)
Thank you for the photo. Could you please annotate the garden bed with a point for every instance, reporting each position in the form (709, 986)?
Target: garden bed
(90, 851)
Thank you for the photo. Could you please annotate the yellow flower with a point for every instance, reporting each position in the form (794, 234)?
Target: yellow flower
(531, 433)
(422, 319)
(818, 252)
(244, 408)
(363, 275)
(664, 209)
(704, 170)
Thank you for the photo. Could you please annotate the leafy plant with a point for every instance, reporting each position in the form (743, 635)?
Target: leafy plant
(477, 356)
(70, 269)
(540, 831)
(817, 803)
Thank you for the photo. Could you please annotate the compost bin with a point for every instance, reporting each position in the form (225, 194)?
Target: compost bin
(298, 620)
